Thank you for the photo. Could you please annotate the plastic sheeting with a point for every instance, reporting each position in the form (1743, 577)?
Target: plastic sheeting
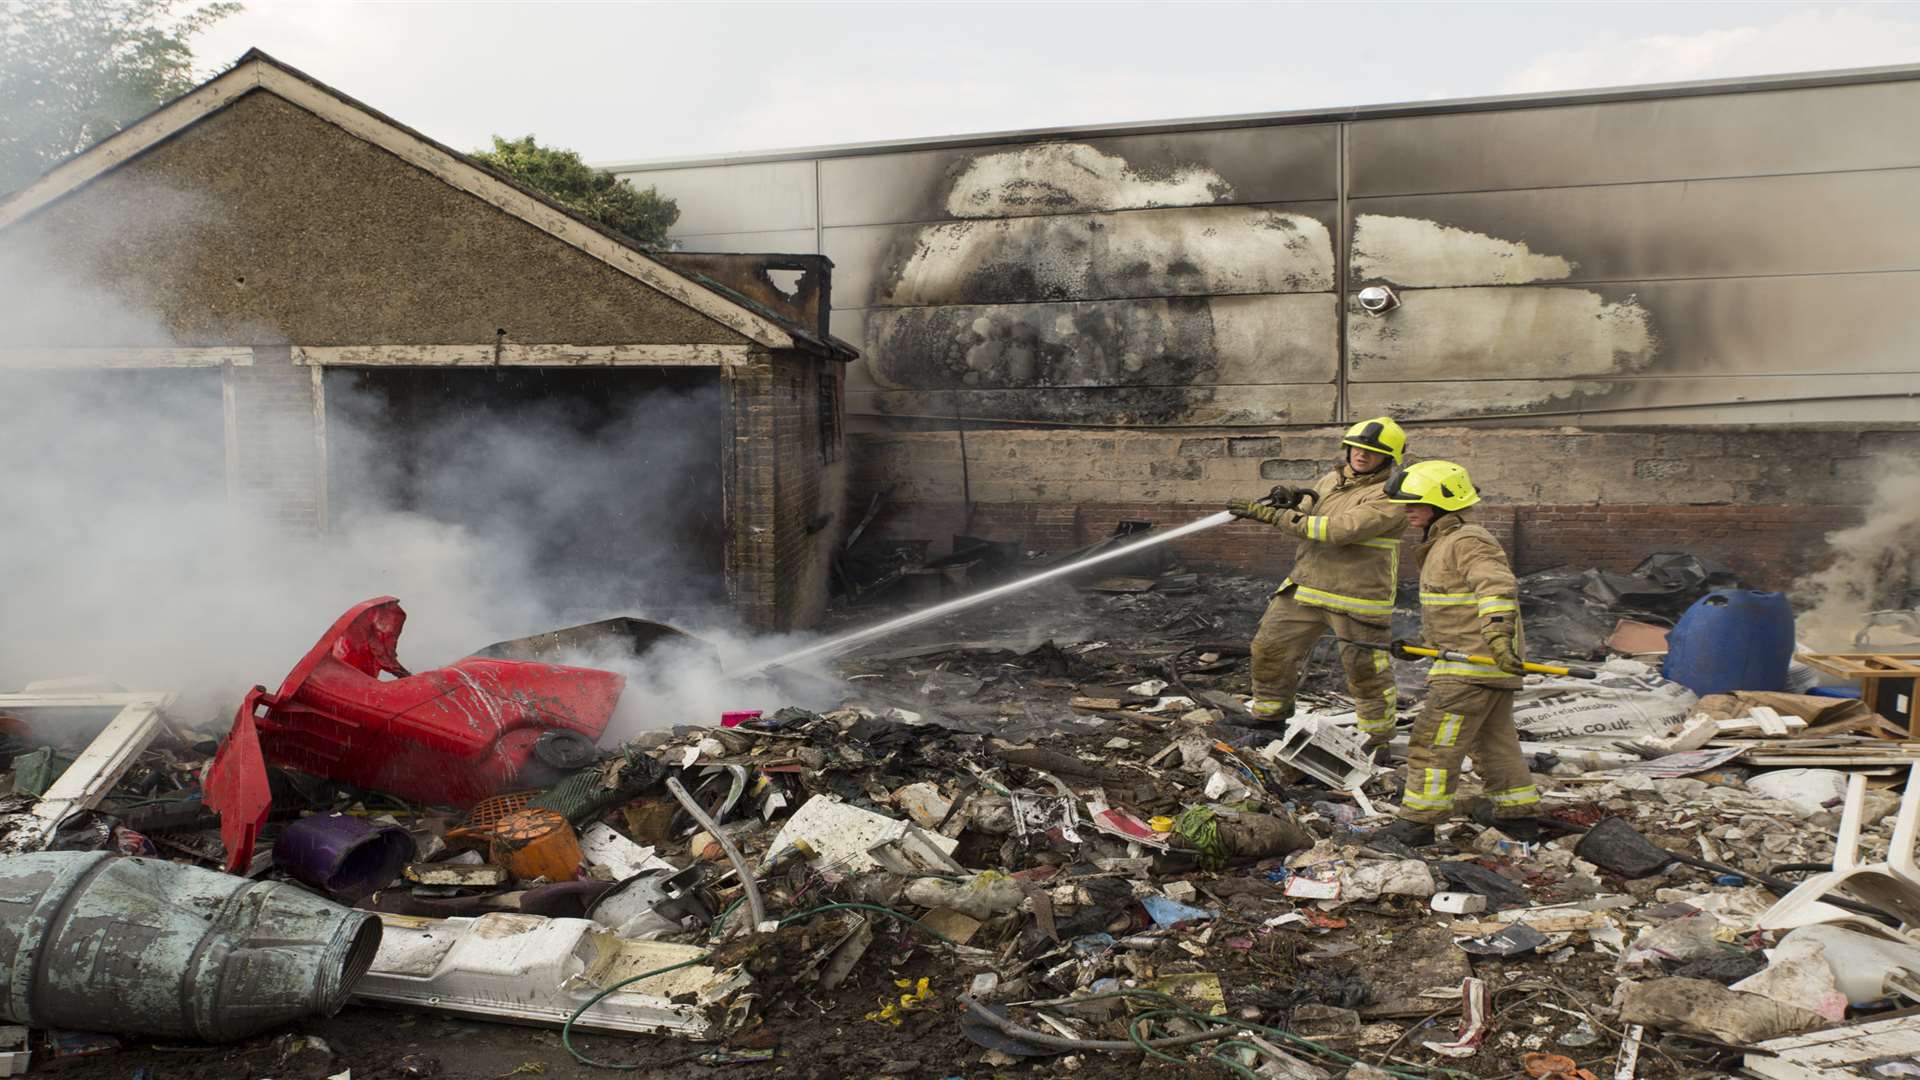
(1628, 702)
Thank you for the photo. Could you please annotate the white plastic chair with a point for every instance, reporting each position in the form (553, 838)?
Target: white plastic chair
(1892, 886)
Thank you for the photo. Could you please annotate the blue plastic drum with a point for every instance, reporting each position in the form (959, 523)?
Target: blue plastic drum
(1732, 639)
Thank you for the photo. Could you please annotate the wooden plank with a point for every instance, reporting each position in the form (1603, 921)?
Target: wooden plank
(230, 438)
(81, 701)
(487, 354)
(1801, 760)
(1830, 1054)
(320, 475)
(1863, 664)
(105, 760)
(1550, 924)
(34, 359)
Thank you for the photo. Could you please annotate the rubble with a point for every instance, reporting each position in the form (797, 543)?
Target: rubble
(1070, 847)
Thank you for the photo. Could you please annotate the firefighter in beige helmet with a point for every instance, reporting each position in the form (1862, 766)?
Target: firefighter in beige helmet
(1469, 603)
(1344, 569)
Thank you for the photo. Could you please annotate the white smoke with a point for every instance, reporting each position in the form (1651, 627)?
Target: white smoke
(1873, 565)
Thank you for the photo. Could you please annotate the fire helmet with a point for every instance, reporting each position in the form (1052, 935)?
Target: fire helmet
(1440, 484)
(1380, 435)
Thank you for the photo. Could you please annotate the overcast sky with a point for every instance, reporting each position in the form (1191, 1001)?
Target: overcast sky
(629, 81)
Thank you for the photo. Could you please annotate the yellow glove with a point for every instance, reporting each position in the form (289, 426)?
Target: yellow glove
(1500, 645)
(1247, 508)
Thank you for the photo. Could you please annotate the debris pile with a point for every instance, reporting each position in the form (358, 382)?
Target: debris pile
(1045, 833)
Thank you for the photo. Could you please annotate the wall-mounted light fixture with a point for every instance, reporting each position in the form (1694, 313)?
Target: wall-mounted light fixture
(1378, 300)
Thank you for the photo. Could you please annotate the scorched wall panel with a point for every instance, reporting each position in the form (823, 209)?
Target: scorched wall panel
(1824, 129)
(1687, 254)
(1685, 259)
(1132, 172)
(1185, 278)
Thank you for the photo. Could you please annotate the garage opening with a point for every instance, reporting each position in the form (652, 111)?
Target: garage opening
(601, 485)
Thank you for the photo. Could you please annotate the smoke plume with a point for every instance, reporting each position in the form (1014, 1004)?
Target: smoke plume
(1873, 565)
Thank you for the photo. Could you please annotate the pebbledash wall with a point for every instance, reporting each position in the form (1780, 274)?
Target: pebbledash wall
(1647, 319)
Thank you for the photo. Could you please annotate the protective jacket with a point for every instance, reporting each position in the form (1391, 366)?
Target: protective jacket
(1467, 593)
(1349, 555)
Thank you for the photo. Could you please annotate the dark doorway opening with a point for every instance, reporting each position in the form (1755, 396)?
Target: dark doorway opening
(601, 486)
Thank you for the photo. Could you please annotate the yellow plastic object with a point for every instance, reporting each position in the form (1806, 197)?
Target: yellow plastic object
(1406, 650)
(915, 993)
(1199, 990)
(1160, 824)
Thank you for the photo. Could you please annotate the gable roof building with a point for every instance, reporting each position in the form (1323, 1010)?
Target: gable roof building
(274, 228)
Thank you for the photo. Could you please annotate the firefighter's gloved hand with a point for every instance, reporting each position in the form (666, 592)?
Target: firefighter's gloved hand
(1247, 508)
(1501, 647)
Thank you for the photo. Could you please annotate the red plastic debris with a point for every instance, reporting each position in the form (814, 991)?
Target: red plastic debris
(451, 736)
(236, 787)
(1322, 921)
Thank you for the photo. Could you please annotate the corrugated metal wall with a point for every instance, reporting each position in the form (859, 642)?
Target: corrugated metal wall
(1722, 258)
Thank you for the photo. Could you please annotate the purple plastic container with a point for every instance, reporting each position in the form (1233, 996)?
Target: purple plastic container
(343, 855)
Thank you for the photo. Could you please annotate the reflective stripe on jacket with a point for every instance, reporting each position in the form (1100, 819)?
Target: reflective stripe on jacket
(1349, 555)
(1466, 586)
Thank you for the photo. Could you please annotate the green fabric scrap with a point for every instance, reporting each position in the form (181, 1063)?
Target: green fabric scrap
(1198, 826)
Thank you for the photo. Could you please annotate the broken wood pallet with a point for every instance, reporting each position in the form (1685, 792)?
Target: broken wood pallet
(1837, 1052)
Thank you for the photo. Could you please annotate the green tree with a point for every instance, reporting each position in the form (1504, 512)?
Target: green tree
(643, 216)
(73, 72)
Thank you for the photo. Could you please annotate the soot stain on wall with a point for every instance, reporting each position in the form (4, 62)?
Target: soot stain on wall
(1054, 178)
(1160, 342)
(1123, 405)
(1046, 287)
(1190, 251)
(1079, 273)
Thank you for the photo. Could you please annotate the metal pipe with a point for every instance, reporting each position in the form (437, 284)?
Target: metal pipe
(755, 906)
(149, 947)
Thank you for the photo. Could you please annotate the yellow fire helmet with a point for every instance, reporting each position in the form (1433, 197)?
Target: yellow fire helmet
(1380, 435)
(1435, 483)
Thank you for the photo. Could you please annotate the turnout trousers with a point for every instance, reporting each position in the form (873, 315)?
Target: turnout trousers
(1461, 718)
(1288, 632)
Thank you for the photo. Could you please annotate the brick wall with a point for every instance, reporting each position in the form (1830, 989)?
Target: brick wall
(809, 498)
(747, 466)
(1759, 500)
(276, 465)
(783, 479)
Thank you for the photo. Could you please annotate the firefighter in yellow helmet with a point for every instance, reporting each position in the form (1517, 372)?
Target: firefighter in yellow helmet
(1469, 603)
(1343, 575)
